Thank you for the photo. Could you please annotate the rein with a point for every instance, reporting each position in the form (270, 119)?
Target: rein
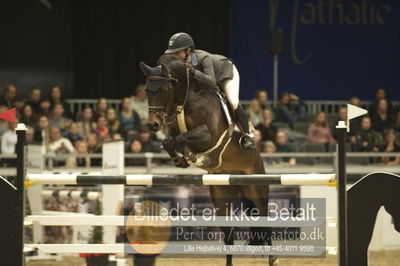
(161, 111)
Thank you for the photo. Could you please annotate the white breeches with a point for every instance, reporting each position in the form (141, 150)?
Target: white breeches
(231, 88)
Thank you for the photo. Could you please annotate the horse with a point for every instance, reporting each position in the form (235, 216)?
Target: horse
(365, 198)
(195, 124)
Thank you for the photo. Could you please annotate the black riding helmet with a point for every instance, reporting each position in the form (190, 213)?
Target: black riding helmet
(179, 41)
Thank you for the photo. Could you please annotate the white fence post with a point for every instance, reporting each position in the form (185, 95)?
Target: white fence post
(113, 195)
(34, 193)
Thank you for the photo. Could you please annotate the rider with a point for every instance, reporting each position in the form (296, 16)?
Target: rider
(213, 70)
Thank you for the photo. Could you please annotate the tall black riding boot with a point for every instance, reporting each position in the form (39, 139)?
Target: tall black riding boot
(246, 142)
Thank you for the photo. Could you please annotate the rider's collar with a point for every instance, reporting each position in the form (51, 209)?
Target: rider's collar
(193, 58)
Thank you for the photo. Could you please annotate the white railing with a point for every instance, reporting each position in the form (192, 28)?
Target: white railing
(324, 162)
(76, 105)
(331, 107)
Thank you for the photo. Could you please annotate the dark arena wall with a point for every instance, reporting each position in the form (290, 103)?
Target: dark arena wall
(93, 48)
(332, 49)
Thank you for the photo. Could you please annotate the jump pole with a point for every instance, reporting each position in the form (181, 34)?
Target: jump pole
(180, 180)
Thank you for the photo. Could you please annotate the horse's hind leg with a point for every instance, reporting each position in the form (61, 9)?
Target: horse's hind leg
(258, 197)
(223, 197)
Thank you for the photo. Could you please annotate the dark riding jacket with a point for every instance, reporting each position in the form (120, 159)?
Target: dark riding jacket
(211, 69)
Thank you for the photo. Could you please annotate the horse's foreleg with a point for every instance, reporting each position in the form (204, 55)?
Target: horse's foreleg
(194, 140)
(169, 146)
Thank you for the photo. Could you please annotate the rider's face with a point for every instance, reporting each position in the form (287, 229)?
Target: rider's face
(181, 54)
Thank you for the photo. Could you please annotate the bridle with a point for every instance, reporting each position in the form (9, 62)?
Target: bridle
(162, 111)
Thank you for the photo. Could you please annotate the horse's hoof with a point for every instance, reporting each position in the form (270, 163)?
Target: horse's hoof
(181, 163)
(273, 261)
(229, 264)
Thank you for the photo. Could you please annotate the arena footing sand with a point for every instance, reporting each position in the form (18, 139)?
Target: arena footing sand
(381, 258)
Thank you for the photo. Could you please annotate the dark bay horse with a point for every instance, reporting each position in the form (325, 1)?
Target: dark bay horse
(195, 123)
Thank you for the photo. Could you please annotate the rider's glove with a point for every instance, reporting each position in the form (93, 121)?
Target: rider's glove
(191, 68)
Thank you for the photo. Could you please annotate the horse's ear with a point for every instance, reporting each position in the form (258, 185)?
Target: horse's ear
(164, 70)
(145, 69)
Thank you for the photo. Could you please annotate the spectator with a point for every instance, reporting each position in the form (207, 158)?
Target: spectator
(366, 138)
(8, 142)
(93, 146)
(56, 98)
(86, 124)
(267, 129)
(380, 94)
(34, 99)
(382, 120)
(269, 147)
(355, 101)
(319, 131)
(355, 122)
(282, 146)
(139, 102)
(57, 143)
(81, 149)
(73, 134)
(101, 108)
(9, 139)
(4, 126)
(135, 147)
(130, 120)
(27, 116)
(262, 98)
(29, 135)
(342, 116)
(113, 122)
(390, 145)
(9, 94)
(58, 119)
(102, 130)
(397, 120)
(257, 139)
(117, 136)
(255, 112)
(45, 107)
(145, 139)
(18, 103)
(290, 109)
(41, 134)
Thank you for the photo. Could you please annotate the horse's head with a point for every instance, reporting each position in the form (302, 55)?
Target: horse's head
(164, 89)
(394, 210)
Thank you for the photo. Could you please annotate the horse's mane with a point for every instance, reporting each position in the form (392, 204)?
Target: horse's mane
(176, 63)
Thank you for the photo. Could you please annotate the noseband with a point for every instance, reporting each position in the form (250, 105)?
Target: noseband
(162, 111)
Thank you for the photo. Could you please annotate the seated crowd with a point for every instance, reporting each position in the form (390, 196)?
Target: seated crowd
(50, 123)
(277, 129)
(285, 127)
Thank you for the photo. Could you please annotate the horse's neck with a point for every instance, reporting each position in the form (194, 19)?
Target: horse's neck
(198, 101)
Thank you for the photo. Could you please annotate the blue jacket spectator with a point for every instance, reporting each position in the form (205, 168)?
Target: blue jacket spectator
(130, 120)
(290, 109)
